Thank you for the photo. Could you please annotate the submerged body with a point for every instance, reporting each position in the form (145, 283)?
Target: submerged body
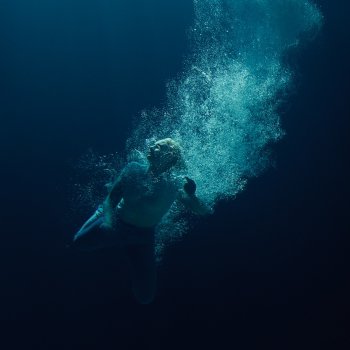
(145, 197)
(136, 203)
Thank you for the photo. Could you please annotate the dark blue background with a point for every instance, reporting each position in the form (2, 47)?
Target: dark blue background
(267, 270)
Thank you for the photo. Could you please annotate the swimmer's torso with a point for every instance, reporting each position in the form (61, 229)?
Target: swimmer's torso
(145, 198)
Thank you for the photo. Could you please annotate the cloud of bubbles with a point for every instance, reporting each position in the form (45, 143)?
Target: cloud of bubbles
(223, 109)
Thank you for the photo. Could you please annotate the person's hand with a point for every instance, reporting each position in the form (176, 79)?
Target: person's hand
(190, 186)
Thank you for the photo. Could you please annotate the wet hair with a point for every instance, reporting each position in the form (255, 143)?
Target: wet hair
(175, 152)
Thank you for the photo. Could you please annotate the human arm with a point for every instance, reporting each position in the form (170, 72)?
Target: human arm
(188, 197)
(109, 205)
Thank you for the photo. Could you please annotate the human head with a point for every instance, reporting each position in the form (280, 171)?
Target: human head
(164, 154)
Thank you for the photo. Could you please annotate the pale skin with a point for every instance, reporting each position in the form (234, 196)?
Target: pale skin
(147, 209)
(140, 197)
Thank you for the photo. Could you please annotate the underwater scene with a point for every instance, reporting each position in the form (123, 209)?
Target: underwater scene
(175, 174)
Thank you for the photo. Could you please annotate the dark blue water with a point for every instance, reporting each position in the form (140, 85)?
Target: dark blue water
(267, 269)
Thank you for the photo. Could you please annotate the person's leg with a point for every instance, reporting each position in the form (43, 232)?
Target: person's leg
(141, 260)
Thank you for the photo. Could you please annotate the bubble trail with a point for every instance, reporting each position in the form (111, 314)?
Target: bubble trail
(224, 107)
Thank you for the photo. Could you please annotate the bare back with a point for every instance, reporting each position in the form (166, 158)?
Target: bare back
(145, 197)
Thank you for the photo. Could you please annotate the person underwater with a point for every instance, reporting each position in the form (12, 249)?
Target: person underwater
(138, 199)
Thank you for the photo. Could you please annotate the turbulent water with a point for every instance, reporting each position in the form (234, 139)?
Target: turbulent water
(223, 108)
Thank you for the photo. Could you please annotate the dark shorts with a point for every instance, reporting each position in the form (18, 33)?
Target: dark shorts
(92, 236)
(136, 243)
